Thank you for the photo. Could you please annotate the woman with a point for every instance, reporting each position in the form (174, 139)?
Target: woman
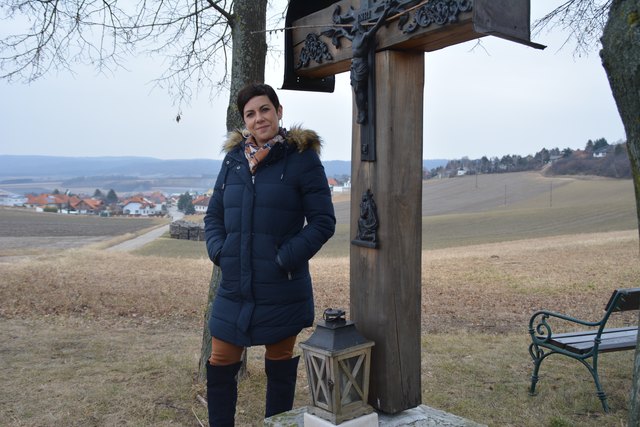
(271, 211)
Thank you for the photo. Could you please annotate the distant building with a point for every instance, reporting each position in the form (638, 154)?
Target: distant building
(338, 187)
(139, 205)
(157, 197)
(89, 206)
(201, 203)
(61, 202)
(11, 199)
(602, 152)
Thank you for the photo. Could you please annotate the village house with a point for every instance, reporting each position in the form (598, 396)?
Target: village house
(88, 206)
(139, 205)
(602, 152)
(157, 197)
(339, 187)
(173, 200)
(201, 203)
(60, 202)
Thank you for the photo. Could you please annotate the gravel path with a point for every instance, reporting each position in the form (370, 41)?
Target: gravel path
(149, 237)
(140, 241)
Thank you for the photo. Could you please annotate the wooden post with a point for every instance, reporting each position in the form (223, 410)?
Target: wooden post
(385, 287)
(386, 278)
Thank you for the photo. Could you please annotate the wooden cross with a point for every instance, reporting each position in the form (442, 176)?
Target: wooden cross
(385, 269)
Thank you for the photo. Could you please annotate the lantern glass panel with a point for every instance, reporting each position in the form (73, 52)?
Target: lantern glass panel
(351, 379)
(319, 376)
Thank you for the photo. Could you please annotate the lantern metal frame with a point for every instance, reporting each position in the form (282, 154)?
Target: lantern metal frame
(338, 363)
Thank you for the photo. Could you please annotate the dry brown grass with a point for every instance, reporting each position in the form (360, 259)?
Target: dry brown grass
(498, 285)
(102, 284)
(61, 371)
(494, 288)
(90, 337)
(193, 218)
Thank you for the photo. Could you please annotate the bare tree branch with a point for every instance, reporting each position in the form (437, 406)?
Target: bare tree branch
(192, 35)
(583, 19)
(221, 9)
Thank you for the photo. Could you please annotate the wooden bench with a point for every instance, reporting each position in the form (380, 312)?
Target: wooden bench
(583, 346)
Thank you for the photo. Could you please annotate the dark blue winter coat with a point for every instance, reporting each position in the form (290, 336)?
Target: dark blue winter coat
(262, 230)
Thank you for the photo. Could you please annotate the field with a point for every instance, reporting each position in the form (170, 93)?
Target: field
(27, 232)
(90, 337)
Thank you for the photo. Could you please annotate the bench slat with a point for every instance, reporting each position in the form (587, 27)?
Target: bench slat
(606, 334)
(611, 340)
(593, 332)
(623, 343)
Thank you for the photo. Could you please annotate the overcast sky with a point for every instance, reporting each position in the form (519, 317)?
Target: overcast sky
(495, 99)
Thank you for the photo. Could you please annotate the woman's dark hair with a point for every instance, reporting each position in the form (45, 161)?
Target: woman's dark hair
(252, 90)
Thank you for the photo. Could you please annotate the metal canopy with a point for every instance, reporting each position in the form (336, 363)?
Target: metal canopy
(296, 10)
(507, 19)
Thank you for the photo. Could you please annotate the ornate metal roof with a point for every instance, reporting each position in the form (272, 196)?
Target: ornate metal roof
(296, 10)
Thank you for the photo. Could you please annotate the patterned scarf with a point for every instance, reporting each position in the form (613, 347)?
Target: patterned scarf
(256, 154)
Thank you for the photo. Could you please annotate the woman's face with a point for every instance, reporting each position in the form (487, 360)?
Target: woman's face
(261, 118)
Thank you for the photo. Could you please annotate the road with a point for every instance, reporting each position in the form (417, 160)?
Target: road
(140, 241)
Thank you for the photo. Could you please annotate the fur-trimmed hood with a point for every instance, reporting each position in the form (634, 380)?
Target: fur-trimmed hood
(303, 139)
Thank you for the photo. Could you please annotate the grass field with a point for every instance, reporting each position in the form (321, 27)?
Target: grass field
(25, 232)
(457, 213)
(90, 337)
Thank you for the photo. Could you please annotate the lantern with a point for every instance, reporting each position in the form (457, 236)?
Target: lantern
(337, 360)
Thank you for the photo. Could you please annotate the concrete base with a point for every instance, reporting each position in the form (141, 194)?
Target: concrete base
(369, 420)
(420, 416)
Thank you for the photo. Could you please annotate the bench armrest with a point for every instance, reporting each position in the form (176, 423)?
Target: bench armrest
(540, 327)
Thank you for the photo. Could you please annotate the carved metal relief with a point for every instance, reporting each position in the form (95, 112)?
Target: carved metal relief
(360, 27)
(313, 49)
(367, 234)
(339, 31)
(439, 12)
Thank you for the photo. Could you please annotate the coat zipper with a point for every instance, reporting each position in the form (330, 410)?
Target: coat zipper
(289, 275)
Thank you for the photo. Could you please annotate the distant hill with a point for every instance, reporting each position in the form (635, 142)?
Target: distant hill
(434, 163)
(53, 167)
(69, 167)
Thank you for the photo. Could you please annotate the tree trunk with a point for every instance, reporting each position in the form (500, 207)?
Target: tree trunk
(249, 51)
(621, 60)
(205, 351)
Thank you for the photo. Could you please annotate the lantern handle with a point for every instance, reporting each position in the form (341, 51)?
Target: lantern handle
(333, 315)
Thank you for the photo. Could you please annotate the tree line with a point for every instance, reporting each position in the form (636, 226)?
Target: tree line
(109, 198)
(597, 158)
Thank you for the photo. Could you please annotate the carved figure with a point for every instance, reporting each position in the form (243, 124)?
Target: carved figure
(362, 47)
(368, 221)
